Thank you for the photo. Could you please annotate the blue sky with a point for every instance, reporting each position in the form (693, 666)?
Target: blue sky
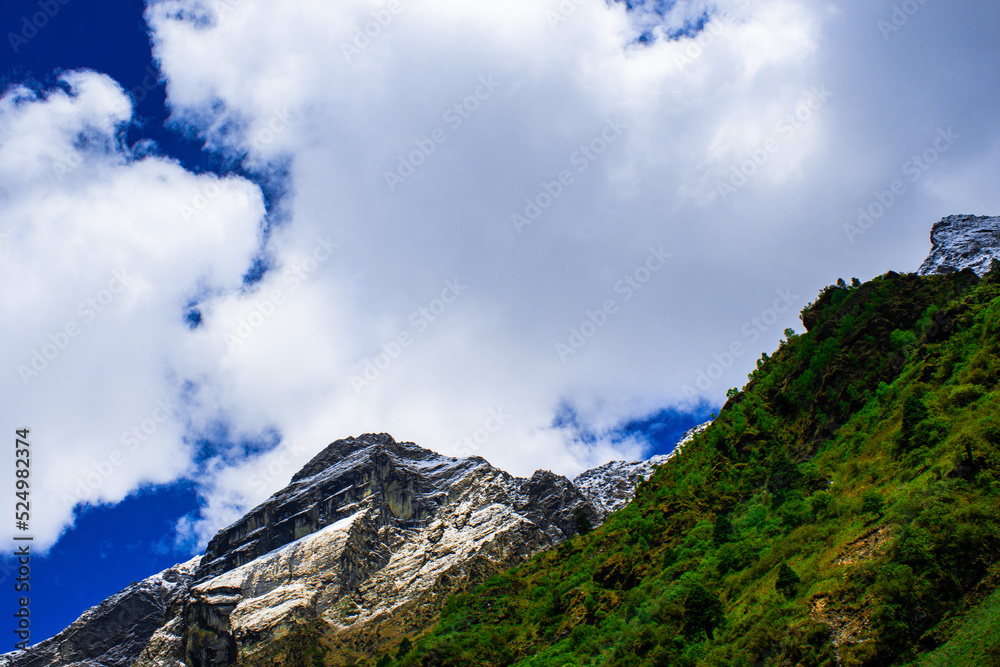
(571, 213)
(112, 38)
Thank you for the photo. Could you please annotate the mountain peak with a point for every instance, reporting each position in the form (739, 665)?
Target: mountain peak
(338, 451)
(407, 481)
(365, 543)
(612, 485)
(962, 242)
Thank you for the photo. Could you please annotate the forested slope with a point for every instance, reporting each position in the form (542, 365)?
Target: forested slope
(844, 508)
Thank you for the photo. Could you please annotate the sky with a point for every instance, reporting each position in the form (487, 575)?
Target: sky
(232, 231)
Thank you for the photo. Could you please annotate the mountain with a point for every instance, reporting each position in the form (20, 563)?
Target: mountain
(361, 549)
(963, 242)
(612, 485)
(842, 509)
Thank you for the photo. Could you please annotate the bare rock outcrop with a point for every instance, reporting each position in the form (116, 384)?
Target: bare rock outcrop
(961, 242)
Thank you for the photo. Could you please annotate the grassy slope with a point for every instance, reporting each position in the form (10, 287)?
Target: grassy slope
(842, 466)
(976, 639)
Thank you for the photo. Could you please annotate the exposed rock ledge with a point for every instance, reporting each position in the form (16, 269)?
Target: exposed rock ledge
(963, 242)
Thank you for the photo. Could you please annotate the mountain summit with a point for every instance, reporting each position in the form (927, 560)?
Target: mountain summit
(841, 510)
(362, 547)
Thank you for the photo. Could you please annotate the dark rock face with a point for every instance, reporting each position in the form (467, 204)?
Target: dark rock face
(411, 482)
(963, 242)
(392, 493)
(115, 632)
(551, 502)
(366, 542)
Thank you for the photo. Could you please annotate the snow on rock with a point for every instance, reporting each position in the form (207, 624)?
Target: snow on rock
(365, 543)
(612, 485)
(368, 539)
(961, 242)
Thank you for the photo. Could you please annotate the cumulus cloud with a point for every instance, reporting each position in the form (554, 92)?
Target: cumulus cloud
(495, 215)
(617, 214)
(98, 264)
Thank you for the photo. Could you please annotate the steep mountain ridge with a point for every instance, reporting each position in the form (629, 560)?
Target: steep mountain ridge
(412, 483)
(842, 509)
(792, 529)
(370, 530)
(612, 485)
(361, 548)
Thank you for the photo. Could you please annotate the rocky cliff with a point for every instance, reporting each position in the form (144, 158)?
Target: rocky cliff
(362, 547)
(369, 537)
(963, 242)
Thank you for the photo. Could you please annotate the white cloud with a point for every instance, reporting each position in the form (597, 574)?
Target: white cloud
(409, 150)
(802, 81)
(97, 266)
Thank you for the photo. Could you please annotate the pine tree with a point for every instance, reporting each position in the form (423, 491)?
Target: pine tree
(722, 532)
(788, 582)
(872, 502)
(702, 611)
(914, 412)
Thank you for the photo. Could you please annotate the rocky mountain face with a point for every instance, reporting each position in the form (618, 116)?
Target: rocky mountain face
(365, 544)
(963, 242)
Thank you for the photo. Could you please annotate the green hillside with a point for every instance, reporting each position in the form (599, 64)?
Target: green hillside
(842, 509)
